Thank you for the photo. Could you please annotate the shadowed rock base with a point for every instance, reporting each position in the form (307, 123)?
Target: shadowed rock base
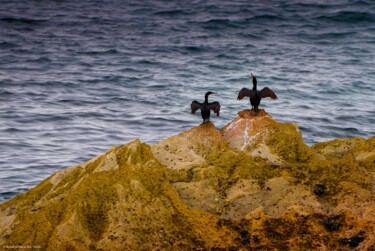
(253, 185)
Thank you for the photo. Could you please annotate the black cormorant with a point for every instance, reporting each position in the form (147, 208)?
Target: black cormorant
(205, 107)
(255, 95)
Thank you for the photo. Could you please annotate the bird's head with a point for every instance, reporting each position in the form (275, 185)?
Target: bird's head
(209, 93)
(253, 78)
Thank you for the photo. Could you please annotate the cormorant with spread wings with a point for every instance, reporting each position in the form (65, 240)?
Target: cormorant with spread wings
(205, 107)
(255, 95)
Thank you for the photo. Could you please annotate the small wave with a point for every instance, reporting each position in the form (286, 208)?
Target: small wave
(4, 93)
(195, 49)
(296, 6)
(15, 20)
(148, 62)
(224, 55)
(222, 67)
(267, 17)
(42, 60)
(7, 45)
(105, 52)
(352, 130)
(12, 130)
(329, 35)
(348, 17)
(223, 23)
(6, 196)
(170, 13)
(362, 3)
(247, 35)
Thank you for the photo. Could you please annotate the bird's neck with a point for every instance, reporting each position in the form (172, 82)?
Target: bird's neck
(206, 98)
(254, 84)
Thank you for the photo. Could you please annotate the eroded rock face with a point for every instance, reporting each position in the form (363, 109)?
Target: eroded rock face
(252, 185)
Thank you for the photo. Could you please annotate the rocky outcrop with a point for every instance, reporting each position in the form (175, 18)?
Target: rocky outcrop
(257, 134)
(252, 185)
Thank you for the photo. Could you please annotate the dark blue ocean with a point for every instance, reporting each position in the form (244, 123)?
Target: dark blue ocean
(77, 77)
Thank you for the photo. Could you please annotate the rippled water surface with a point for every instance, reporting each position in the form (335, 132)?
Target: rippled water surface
(77, 77)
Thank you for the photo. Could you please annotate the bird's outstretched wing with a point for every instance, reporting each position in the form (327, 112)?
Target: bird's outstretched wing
(245, 92)
(195, 105)
(215, 106)
(267, 92)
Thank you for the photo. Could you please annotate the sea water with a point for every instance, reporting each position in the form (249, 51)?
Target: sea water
(77, 77)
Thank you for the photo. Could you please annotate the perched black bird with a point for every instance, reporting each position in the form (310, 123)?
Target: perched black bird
(205, 107)
(255, 95)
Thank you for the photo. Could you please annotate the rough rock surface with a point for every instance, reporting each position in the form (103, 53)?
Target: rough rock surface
(253, 185)
(258, 134)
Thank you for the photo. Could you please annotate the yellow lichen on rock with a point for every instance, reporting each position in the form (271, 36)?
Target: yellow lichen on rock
(337, 148)
(362, 150)
(188, 148)
(109, 209)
